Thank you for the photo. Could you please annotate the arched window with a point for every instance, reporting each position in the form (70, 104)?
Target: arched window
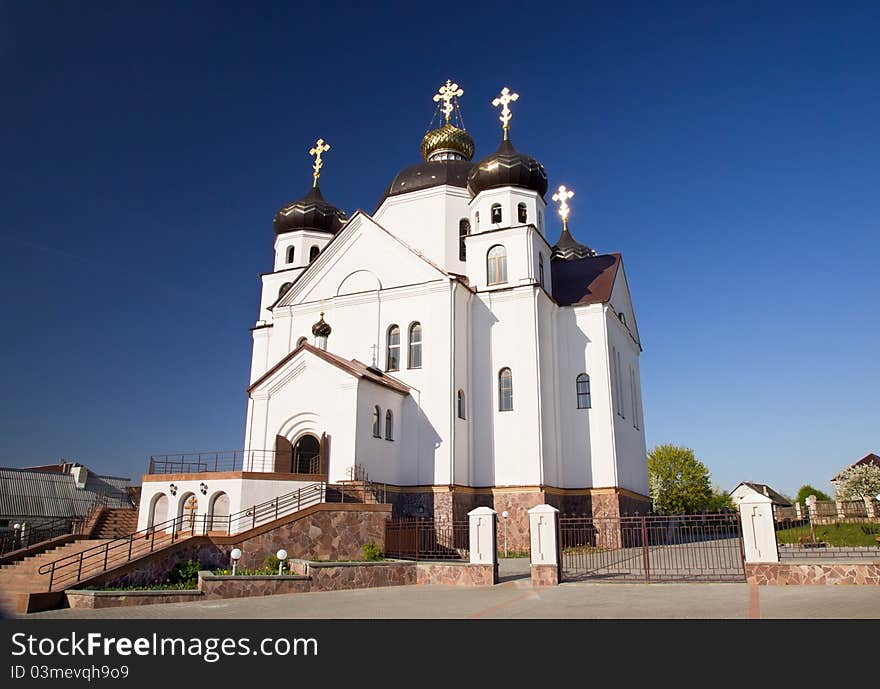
(583, 391)
(377, 422)
(461, 405)
(415, 345)
(477, 220)
(496, 213)
(389, 425)
(622, 317)
(301, 341)
(290, 254)
(392, 360)
(464, 229)
(505, 390)
(283, 289)
(521, 213)
(496, 265)
(540, 222)
(313, 252)
(541, 269)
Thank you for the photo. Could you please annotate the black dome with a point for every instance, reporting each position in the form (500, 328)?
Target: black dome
(311, 212)
(569, 249)
(507, 167)
(433, 173)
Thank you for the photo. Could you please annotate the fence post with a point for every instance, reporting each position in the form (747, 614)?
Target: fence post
(841, 512)
(869, 507)
(544, 543)
(812, 511)
(797, 510)
(758, 529)
(483, 539)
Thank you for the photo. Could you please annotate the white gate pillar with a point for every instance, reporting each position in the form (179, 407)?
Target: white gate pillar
(483, 537)
(544, 542)
(758, 529)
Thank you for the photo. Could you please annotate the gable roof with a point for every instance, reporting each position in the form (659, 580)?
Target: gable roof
(51, 494)
(353, 367)
(585, 280)
(869, 459)
(766, 490)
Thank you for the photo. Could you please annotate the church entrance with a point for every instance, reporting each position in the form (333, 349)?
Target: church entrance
(307, 455)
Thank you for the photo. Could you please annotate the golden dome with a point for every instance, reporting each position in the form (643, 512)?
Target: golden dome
(448, 139)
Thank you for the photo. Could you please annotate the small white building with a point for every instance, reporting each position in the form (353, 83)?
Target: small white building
(444, 345)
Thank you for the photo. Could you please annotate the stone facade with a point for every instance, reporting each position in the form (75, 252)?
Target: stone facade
(822, 574)
(94, 600)
(227, 586)
(545, 575)
(157, 567)
(456, 574)
(333, 576)
(517, 504)
(328, 534)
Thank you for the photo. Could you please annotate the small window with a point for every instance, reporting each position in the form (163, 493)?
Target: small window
(496, 213)
(622, 317)
(392, 359)
(290, 254)
(313, 253)
(464, 229)
(541, 269)
(505, 390)
(301, 341)
(583, 391)
(477, 220)
(496, 265)
(521, 213)
(377, 422)
(415, 345)
(283, 289)
(461, 405)
(389, 425)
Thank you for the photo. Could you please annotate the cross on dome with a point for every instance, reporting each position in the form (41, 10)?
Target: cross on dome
(319, 148)
(504, 99)
(562, 196)
(447, 93)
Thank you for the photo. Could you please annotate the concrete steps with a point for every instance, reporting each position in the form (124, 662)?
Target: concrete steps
(115, 523)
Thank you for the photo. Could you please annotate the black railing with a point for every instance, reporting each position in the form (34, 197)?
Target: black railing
(231, 460)
(28, 535)
(427, 539)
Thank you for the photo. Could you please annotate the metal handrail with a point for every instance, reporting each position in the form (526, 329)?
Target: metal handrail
(18, 539)
(205, 461)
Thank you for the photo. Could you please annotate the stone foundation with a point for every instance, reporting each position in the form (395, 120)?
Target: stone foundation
(335, 576)
(93, 600)
(820, 573)
(456, 574)
(228, 586)
(545, 575)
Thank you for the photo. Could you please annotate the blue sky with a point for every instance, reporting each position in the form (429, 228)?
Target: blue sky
(731, 153)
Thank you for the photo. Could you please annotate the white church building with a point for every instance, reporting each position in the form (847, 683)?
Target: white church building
(442, 345)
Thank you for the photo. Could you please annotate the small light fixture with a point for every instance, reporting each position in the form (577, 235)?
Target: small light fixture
(282, 556)
(173, 489)
(203, 487)
(235, 555)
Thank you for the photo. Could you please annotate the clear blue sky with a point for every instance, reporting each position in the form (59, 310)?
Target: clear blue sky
(730, 151)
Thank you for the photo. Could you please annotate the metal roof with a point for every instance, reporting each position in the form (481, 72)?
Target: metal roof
(28, 493)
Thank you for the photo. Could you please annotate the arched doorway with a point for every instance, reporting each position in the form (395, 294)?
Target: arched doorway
(158, 510)
(187, 508)
(307, 455)
(218, 511)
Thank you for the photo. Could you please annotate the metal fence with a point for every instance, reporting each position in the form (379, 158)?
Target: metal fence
(704, 547)
(421, 538)
(202, 462)
(27, 535)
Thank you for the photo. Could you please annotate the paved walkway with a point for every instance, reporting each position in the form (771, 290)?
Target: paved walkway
(515, 598)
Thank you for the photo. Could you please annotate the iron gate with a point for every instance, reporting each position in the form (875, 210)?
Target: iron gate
(702, 547)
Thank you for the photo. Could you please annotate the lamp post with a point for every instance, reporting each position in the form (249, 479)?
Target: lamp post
(505, 514)
(282, 556)
(235, 555)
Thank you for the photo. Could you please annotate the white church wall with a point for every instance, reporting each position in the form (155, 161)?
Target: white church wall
(427, 220)
(519, 244)
(271, 289)
(260, 354)
(547, 342)
(461, 369)
(380, 457)
(509, 199)
(302, 242)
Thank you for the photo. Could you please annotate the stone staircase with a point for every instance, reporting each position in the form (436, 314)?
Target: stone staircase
(115, 523)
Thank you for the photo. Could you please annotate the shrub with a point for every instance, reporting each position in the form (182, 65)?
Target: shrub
(186, 573)
(272, 562)
(372, 553)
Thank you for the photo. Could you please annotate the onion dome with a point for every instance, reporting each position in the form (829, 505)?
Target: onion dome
(311, 212)
(507, 167)
(569, 249)
(447, 143)
(321, 328)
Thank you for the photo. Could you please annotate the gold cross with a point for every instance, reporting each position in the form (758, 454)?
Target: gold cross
(446, 93)
(320, 147)
(562, 196)
(506, 97)
(191, 505)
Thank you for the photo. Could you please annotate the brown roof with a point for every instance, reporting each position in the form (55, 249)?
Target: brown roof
(764, 489)
(585, 280)
(353, 366)
(868, 459)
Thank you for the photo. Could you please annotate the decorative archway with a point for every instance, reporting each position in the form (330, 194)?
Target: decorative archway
(187, 508)
(307, 455)
(218, 511)
(158, 510)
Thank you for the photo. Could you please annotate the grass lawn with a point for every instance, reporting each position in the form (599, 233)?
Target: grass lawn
(834, 534)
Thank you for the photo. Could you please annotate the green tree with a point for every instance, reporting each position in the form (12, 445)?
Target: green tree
(678, 481)
(858, 482)
(808, 490)
(719, 501)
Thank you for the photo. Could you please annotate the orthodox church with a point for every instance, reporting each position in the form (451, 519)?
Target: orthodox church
(443, 346)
